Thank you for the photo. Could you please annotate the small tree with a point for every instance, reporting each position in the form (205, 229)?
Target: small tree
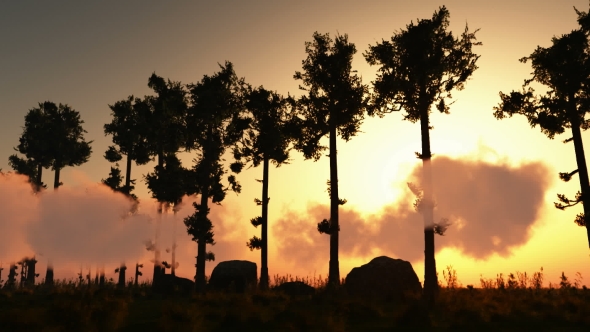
(128, 128)
(114, 180)
(420, 67)
(335, 103)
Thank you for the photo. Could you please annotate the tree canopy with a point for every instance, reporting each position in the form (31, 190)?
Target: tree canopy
(420, 67)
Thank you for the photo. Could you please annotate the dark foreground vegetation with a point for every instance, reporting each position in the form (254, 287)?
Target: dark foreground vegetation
(515, 303)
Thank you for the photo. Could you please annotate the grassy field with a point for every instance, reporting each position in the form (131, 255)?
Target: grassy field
(514, 303)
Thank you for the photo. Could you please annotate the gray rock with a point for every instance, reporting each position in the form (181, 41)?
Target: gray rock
(295, 288)
(234, 275)
(383, 278)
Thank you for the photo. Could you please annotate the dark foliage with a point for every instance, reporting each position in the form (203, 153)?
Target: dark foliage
(334, 103)
(419, 68)
(564, 68)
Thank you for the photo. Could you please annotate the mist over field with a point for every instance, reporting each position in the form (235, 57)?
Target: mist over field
(491, 208)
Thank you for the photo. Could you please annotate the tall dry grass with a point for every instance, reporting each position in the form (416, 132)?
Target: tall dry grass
(504, 302)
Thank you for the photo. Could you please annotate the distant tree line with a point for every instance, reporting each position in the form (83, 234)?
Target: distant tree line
(418, 69)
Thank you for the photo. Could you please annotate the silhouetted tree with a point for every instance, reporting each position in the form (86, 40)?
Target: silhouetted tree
(11, 282)
(564, 68)
(420, 67)
(26, 167)
(89, 276)
(101, 279)
(31, 275)
(167, 120)
(266, 140)
(137, 272)
(23, 272)
(214, 123)
(168, 184)
(167, 130)
(67, 146)
(80, 277)
(53, 136)
(121, 271)
(34, 143)
(129, 128)
(114, 180)
(335, 103)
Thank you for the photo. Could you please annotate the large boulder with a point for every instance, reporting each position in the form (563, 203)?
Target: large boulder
(383, 278)
(295, 288)
(168, 283)
(234, 275)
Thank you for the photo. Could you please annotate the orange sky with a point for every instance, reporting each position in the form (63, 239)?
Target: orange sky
(90, 55)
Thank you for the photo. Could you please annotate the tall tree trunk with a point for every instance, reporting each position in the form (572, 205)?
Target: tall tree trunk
(38, 181)
(583, 173)
(101, 279)
(30, 271)
(264, 235)
(157, 266)
(49, 272)
(430, 278)
(136, 273)
(56, 179)
(23, 272)
(200, 282)
(128, 175)
(334, 272)
(121, 283)
(11, 282)
(173, 267)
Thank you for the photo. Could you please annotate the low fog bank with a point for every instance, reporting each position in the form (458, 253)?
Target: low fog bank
(88, 226)
(491, 208)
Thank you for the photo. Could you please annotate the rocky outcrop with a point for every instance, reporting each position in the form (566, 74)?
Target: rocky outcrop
(168, 283)
(234, 275)
(295, 288)
(383, 278)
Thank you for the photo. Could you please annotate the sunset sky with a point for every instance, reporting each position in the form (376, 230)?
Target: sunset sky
(496, 181)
